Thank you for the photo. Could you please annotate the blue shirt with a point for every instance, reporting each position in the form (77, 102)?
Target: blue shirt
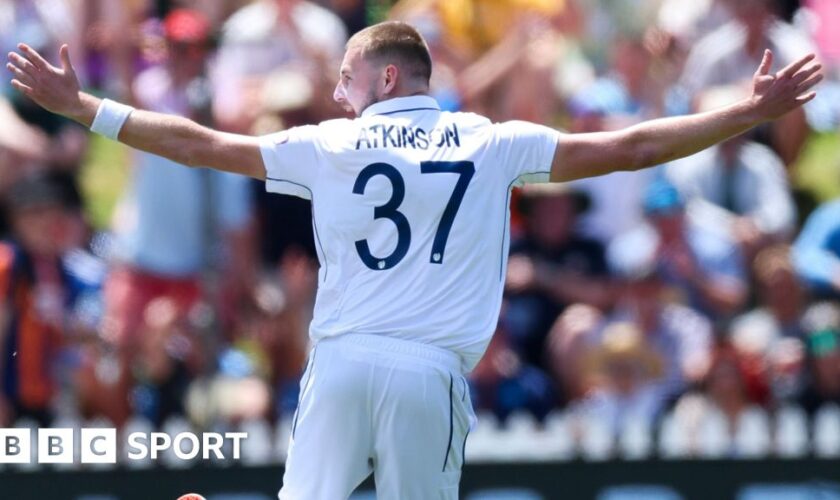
(175, 214)
(716, 255)
(816, 252)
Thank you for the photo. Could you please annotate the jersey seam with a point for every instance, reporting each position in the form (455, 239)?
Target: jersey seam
(505, 228)
(310, 367)
(507, 220)
(451, 424)
(404, 111)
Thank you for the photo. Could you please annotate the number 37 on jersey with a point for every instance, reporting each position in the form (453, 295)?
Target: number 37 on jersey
(463, 171)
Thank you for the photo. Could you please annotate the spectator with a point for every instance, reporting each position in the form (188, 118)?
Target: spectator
(826, 38)
(732, 395)
(729, 54)
(42, 24)
(816, 252)
(742, 183)
(604, 22)
(571, 341)
(114, 35)
(629, 86)
(550, 267)
(167, 222)
(286, 101)
(166, 225)
(46, 24)
(481, 43)
(21, 152)
(772, 333)
(682, 336)
(503, 382)
(627, 369)
(690, 22)
(786, 371)
(268, 36)
(263, 43)
(602, 106)
(701, 264)
(672, 265)
(166, 361)
(781, 301)
(279, 325)
(33, 284)
(354, 13)
(823, 346)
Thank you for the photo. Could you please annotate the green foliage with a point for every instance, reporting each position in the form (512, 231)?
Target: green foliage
(103, 177)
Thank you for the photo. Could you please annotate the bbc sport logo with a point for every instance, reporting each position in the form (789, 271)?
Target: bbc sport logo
(99, 445)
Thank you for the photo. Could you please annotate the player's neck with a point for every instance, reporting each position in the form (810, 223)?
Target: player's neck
(394, 95)
(408, 87)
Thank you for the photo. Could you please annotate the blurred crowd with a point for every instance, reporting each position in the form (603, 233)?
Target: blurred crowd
(707, 287)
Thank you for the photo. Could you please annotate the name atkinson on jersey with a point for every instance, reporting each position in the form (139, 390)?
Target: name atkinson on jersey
(398, 136)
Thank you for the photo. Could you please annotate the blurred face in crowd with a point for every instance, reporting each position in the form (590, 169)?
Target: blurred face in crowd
(631, 60)
(41, 229)
(186, 59)
(669, 224)
(551, 219)
(781, 292)
(754, 15)
(357, 82)
(187, 35)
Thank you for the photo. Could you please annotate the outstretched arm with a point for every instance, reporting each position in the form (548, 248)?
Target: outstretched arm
(658, 141)
(179, 139)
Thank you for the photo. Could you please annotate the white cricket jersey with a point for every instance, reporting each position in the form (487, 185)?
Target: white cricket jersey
(410, 209)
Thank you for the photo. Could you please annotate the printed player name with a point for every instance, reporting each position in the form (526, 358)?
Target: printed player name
(397, 136)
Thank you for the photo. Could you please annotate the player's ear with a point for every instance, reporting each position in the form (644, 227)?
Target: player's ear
(392, 73)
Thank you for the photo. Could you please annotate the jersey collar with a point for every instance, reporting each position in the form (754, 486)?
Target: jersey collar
(401, 105)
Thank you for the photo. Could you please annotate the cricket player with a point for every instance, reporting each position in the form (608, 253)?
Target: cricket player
(410, 211)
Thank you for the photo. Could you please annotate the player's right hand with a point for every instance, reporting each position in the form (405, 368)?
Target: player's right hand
(53, 88)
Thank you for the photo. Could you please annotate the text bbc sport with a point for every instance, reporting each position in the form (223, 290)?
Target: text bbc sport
(99, 445)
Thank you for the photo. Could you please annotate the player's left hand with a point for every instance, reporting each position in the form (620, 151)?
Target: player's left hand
(775, 94)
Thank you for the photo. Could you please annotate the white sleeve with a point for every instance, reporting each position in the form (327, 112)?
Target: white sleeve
(525, 150)
(291, 160)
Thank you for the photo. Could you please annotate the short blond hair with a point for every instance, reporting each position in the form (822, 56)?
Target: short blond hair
(398, 43)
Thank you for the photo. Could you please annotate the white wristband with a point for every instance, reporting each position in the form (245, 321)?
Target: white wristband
(110, 118)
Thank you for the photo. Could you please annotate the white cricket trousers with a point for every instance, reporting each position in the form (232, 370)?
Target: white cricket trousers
(368, 403)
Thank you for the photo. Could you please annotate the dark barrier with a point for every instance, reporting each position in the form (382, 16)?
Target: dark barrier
(648, 480)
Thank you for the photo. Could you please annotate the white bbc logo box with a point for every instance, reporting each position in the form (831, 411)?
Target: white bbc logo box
(15, 446)
(55, 446)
